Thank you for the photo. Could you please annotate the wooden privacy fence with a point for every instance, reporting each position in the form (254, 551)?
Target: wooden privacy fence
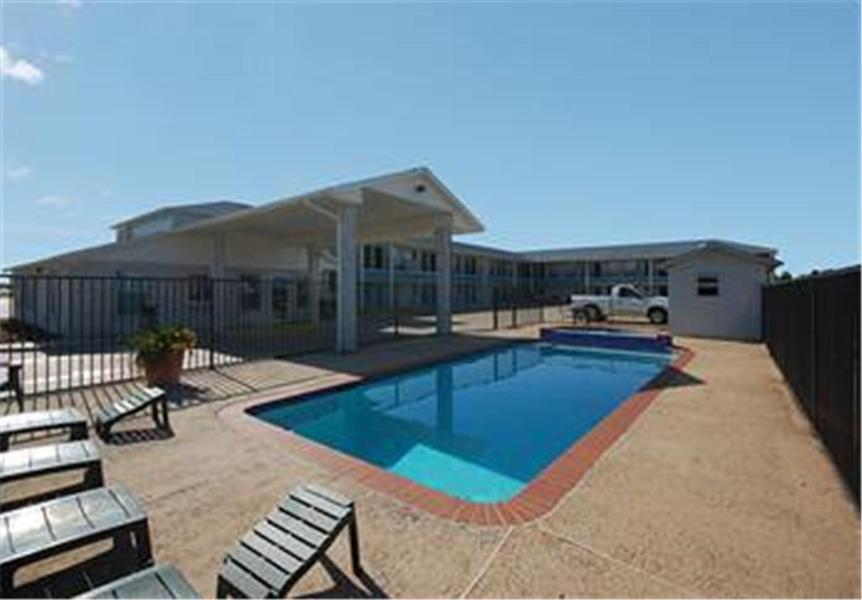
(811, 327)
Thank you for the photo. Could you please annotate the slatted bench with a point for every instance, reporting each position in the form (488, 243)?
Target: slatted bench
(159, 581)
(42, 420)
(136, 401)
(36, 461)
(282, 547)
(43, 530)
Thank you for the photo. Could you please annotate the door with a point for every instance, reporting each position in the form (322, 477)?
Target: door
(629, 303)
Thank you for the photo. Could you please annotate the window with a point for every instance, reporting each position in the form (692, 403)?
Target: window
(429, 262)
(628, 293)
(250, 292)
(707, 285)
(372, 257)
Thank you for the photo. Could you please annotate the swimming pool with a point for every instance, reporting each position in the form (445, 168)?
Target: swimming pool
(479, 427)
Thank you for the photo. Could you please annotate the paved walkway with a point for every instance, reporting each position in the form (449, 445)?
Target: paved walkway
(719, 489)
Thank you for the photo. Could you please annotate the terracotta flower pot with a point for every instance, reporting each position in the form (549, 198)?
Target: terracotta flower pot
(165, 369)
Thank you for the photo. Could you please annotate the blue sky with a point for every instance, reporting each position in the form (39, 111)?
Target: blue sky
(558, 124)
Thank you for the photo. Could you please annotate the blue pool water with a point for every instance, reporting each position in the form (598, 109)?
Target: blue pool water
(477, 428)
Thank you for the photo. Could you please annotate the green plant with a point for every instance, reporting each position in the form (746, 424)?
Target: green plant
(154, 342)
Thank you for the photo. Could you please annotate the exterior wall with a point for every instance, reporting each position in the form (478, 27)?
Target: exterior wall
(274, 281)
(734, 314)
(89, 298)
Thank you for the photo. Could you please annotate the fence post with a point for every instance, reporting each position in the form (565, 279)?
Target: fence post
(514, 302)
(212, 333)
(812, 355)
(395, 313)
(494, 307)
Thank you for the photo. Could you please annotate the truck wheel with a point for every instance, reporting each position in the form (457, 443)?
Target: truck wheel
(657, 316)
(579, 316)
(593, 313)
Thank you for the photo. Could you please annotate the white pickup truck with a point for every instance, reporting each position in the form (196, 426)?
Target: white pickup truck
(624, 301)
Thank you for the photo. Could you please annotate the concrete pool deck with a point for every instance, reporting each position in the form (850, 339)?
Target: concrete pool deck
(718, 489)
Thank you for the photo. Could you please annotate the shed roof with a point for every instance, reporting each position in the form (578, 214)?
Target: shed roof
(712, 247)
(641, 250)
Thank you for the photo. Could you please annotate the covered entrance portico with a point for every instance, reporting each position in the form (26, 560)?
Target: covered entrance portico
(332, 223)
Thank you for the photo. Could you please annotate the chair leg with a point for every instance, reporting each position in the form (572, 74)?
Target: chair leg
(354, 545)
(95, 477)
(17, 386)
(143, 547)
(7, 578)
(166, 420)
(221, 588)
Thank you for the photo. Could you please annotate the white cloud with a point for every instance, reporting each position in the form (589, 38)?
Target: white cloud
(19, 69)
(18, 172)
(57, 57)
(70, 3)
(54, 201)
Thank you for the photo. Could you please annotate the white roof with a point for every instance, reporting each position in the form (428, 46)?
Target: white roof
(397, 205)
(722, 248)
(402, 205)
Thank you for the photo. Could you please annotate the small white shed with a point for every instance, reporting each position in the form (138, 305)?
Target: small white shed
(715, 291)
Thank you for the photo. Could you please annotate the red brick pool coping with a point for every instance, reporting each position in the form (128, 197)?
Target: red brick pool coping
(535, 500)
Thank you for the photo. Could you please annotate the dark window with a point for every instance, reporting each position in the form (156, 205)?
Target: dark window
(200, 289)
(378, 257)
(372, 257)
(596, 269)
(628, 293)
(707, 285)
(131, 298)
(429, 262)
(250, 292)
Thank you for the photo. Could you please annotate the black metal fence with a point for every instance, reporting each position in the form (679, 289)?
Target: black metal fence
(70, 332)
(811, 327)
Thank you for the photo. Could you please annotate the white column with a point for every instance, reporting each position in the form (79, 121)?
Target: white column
(313, 262)
(345, 339)
(443, 246)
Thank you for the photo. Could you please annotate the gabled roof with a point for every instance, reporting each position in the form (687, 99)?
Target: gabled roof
(713, 246)
(390, 204)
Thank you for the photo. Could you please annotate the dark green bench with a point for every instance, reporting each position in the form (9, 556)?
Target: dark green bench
(136, 401)
(44, 530)
(54, 458)
(159, 581)
(281, 548)
(42, 420)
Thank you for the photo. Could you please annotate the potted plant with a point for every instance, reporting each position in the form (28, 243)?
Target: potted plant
(160, 352)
